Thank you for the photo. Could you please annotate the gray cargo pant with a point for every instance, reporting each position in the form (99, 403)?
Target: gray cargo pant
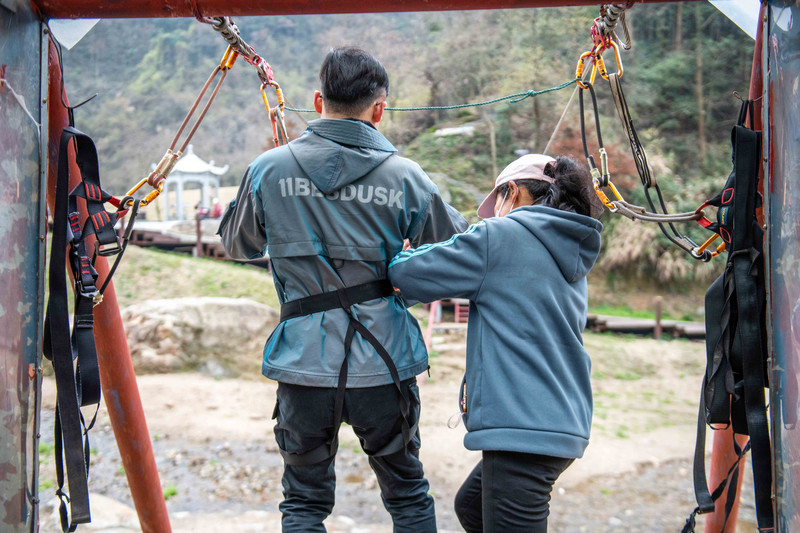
(304, 421)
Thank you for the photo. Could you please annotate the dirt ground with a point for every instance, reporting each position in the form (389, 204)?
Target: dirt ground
(220, 469)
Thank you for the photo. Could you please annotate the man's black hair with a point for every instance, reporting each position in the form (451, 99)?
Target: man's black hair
(350, 80)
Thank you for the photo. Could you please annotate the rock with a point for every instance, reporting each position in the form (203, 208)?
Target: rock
(221, 337)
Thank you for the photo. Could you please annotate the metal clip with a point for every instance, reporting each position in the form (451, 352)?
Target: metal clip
(85, 293)
(108, 249)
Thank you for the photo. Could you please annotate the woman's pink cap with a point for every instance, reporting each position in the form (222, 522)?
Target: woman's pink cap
(527, 167)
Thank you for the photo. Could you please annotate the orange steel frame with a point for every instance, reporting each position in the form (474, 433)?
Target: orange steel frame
(238, 8)
(118, 379)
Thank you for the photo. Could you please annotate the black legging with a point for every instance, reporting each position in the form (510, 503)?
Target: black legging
(508, 492)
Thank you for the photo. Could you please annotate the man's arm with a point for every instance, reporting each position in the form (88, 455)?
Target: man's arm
(242, 226)
(440, 222)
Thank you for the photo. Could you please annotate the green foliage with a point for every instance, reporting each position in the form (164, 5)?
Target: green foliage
(45, 451)
(150, 274)
(170, 491)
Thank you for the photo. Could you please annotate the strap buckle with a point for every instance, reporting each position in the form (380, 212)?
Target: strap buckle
(89, 292)
(107, 249)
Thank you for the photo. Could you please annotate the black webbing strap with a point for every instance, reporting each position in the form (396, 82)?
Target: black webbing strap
(58, 347)
(344, 299)
(735, 348)
(590, 158)
(327, 301)
(705, 502)
(731, 478)
(747, 339)
(649, 182)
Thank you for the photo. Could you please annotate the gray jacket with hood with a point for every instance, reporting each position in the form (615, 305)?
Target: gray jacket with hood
(331, 209)
(526, 387)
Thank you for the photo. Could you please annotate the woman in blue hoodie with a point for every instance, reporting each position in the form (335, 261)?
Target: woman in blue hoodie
(526, 399)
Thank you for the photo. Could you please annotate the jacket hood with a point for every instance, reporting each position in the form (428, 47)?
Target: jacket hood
(336, 152)
(572, 239)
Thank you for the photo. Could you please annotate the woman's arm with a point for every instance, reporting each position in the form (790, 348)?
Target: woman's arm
(454, 268)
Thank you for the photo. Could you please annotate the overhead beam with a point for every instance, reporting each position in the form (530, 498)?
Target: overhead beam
(237, 8)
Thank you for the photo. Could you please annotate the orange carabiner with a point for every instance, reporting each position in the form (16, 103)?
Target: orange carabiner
(599, 66)
(580, 67)
(228, 58)
(279, 95)
(602, 196)
(618, 59)
(264, 97)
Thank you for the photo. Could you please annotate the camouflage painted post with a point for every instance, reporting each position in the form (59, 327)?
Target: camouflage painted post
(782, 102)
(21, 264)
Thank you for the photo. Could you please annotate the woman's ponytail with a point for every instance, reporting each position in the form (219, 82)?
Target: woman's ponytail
(571, 189)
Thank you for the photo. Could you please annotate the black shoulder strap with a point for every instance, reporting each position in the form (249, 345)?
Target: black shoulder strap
(747, 261)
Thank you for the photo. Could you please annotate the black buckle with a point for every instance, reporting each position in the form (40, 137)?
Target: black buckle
(107, 249)
(86, 292)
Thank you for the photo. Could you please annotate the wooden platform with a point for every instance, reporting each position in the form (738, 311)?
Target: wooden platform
(645, 326)
(181, 236)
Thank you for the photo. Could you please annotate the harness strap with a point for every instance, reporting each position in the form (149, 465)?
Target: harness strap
(746, 260)
(327, 301)
(344, 299)
(59, 348)
(735, 346)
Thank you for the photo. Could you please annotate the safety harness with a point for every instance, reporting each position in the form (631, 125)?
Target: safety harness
(77, 386)
(732, 392)
(344, 299)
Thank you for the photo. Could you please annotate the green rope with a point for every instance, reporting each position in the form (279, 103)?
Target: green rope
(513, 98)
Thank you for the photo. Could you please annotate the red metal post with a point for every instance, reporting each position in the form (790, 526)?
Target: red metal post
(237, 8)
(116, 368)
(723, 454)
(722, 458)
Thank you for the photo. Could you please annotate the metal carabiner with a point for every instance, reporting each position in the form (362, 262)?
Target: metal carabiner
(618, 59)
(581, 66)
(264, 97)
(153, 194)
(228, 58)
(602, 196)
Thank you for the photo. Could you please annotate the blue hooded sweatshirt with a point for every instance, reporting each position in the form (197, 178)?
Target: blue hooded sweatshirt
(331, 209)
(526, 387)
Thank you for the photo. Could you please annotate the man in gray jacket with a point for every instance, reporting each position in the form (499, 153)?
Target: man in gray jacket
(331, 209)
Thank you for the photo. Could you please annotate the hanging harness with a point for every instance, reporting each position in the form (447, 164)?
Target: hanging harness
(344, 299)
(81, 387)
(736, 373)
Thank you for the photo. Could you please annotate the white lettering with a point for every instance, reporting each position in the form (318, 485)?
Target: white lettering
(380, 196)
(301, 187)
(364, 194)
(361, 197)
(348, 193)
(394, 198)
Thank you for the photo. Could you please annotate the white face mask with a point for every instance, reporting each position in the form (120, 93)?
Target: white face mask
(502, 204)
